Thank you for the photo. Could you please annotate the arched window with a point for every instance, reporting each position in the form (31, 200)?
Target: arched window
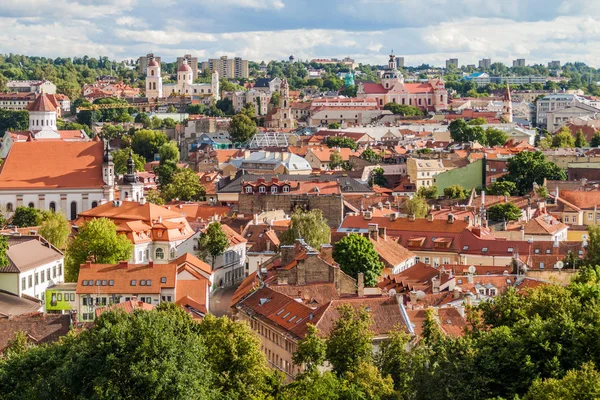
(31, 205)
(173, 253)
(52, 206)
(73, 210)
(94, 204)
(152, 72)
(394, 100)
(9, 207)
(159, 254)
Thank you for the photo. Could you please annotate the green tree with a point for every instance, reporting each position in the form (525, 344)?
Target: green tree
(460, 131)
(504, 212)
(405, 110)
(196, 109)
(580, 384)
(495, 137)
(394, 358)
(478, 121)
(98, 242)
(416, 206)
(212, 242)
(334, 125)
(378, 178)
(350, 340)
(455, 192)
(275, 99)
(527, 167)
(120, 158)
(184, 185)
(249, 109)
(147, 142)
(171, 109)
(241, 128)
(371, 156)
(595, 142)
(335, 160)
(311, 351)
(355, 254)
(17, 346)
(27, 216)
(342, 142)
(238, 364)
(428, 192)
(169, 152)
(563, 138)
(580, 140)
(169, 123)
(3, 249)
(143, 118)
(307, 225)
(592, 254)
(153, 196)
(503, 188)
(56, 229)
(13, 121)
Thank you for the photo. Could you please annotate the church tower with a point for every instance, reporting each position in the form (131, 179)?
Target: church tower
(130, 187)
(391, 76)
(42, 117)
(507, 111)
(184, 76)
(286, 119)
(153, 80)
(108, 175)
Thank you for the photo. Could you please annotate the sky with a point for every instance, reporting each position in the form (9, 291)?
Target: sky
(422, 31)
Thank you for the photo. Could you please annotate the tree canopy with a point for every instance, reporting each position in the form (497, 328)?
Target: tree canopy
(98, 242)
(184, 185)
(455, 192)
(355, 254)
(56, 229)
(405, 110)
(120, 158)
(27, 216)
(343, 142)
(528, 167)
(416, 206)
(147, 142)
(241, 128)
(212, 242)
(504, 212)
(307, 225)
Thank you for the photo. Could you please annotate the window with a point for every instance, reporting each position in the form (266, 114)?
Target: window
(9, 207)
(94, 204)
(23, 284)
(537, 251)
(465, 248)
(142, 282)
(111, 283)
(73, 210)
(149, 282)
(59, 269)
(261, 189)
(52, 206)
(98, 282)
(163, 279)
(133, 282)
(37, 281)
(42, 276)
(173, 253)
(159, 254)
(59, 297)
(48, 274)
(273, 189)
(426, 260)
(248, 189)
(31, 205)
(541, 265)
(29, 281)
(511, 250)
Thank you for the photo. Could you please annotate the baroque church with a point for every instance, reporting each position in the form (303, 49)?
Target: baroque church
(281, 117)
(428, 96)
(185, 85)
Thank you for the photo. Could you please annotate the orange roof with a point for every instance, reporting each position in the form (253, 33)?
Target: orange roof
(581, 199)
(323, 153)
(128, 307)
(131, 211)
(405, 224)
(53, 164)
(233, 237)
(193, 261)
(42, 104)
(224, 155)
(97, 278)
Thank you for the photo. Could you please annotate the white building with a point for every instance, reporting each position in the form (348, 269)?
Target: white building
(185, 85)
(554, 102)
(228, 268)
(34, 264)
(38, 87)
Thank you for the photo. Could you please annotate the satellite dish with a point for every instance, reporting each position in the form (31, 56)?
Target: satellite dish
(560, 265)
(420, 295)
(472, 269)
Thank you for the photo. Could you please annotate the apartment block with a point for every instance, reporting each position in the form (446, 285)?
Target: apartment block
(191, 61)
(143, 62)
(227, 67)
(452, 61)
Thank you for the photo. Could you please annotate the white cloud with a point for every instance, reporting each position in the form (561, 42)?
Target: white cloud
(132, 22)
(258, 4)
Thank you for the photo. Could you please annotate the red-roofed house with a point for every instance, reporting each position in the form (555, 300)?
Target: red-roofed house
(428, 96)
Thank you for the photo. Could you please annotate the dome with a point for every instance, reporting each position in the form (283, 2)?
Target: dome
(184, 68)
(153, 63)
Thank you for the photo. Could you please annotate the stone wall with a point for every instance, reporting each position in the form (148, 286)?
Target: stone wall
(330, 205)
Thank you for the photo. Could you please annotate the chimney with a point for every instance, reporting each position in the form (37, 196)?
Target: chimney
(430, 217)
(451, 218)
(456, 292)
(435, 284)
(373, 232)
(361, 284)
(123, 264)
(383, 233)
(326, 252)
(287, 254)
(88, 264)
(142, 201)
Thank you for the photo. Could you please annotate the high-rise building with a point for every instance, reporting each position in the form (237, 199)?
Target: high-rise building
(554, 64)
(399, 62)
(519, 62)
(452, 62)
(485, 63)
(227, 67)
(143, 62)
(191, 61)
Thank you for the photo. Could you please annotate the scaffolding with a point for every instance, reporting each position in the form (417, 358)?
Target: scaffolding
(273, 139)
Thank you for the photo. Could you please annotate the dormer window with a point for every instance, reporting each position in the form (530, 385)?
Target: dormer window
(273, 189)
(261, 189)
(248, 189)
(286, 189)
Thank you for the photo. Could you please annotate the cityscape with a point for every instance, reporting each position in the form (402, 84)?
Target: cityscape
(346, 203)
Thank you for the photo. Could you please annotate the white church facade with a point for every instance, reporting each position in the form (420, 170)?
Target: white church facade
(185, 86)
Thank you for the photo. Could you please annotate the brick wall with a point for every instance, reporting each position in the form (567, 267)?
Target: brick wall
(330, 205)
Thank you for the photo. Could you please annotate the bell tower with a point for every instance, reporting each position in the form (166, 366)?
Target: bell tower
(130, 188)
(108, 174)
(153, 80)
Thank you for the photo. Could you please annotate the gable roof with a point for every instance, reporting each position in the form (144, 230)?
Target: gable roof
(39, 328)
(53, 164)
(42, 104)
(33, 251)
(132, 211)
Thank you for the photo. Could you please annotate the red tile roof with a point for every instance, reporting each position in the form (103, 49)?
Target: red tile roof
(122, 276)
(42, 104)
(53, 164)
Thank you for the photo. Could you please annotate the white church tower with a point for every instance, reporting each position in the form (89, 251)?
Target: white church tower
(153, 80)
(184, 75)
(42, 115)
(214, 83)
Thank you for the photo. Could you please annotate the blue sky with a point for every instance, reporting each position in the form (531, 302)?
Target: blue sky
(423, 31)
